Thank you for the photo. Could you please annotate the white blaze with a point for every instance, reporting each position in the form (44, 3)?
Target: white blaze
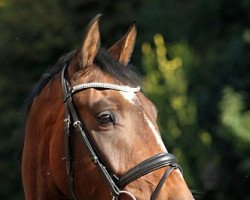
(129, 96)
(155, 133)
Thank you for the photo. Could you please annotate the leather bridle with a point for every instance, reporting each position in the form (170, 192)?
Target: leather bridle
(115, 184)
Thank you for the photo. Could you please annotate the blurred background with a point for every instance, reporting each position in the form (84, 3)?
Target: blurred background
(194, 58)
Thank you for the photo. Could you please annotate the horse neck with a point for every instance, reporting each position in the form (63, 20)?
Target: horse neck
(44, 141)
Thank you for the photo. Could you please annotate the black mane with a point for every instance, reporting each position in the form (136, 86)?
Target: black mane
(124, 74)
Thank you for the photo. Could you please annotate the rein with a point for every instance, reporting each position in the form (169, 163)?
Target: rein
(115, 184)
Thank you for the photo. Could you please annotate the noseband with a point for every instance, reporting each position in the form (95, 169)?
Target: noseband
(115, 184)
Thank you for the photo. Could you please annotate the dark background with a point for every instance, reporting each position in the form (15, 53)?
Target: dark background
(194, 56)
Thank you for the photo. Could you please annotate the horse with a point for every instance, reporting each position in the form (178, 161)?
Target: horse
(91, 133)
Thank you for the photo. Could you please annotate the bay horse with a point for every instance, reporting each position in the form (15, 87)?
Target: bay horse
(92, 134)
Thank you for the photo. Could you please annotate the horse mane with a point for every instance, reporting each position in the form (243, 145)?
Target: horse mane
(104, 61)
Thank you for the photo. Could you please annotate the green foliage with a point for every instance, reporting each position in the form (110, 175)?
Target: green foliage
(234, 115)
(166, 82)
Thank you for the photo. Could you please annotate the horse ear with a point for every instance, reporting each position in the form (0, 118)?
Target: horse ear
(123, 49)
(91, 42)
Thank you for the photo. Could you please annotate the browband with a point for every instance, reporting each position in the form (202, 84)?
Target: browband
(105, 86)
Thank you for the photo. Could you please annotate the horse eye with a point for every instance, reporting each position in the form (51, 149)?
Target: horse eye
(105, 118)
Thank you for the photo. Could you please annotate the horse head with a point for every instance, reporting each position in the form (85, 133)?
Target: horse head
(104, 129)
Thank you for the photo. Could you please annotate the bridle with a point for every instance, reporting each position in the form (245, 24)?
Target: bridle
(115, 184)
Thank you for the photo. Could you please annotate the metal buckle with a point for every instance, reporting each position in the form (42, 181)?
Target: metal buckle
(77, 123)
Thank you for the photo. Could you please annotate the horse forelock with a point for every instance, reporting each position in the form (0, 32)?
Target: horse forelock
(125, 74)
